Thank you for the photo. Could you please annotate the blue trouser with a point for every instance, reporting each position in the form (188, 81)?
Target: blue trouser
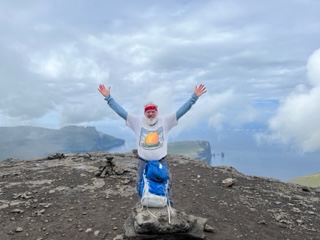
(142, 164)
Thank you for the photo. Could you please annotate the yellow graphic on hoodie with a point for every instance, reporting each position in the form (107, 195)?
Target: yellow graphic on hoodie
(151, 139)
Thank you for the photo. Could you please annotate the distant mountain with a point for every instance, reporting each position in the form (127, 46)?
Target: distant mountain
(312, 180)
(27, 142)
(30, 142)
(199, 150)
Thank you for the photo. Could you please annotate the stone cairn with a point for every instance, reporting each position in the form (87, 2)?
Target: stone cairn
(107, 169)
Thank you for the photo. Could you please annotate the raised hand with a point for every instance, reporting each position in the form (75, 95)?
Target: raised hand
(199, 90)
(103, 90)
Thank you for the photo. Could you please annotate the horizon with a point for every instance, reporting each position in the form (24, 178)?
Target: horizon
(241, 152)
(250, 158)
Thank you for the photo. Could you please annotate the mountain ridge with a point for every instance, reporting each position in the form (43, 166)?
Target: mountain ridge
(32, 142)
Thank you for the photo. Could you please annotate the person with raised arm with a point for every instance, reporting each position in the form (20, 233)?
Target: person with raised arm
(151, 130)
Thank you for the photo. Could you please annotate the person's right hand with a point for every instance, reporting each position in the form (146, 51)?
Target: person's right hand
(104, 91)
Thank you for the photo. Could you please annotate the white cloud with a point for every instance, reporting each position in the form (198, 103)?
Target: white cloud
(67, 61)
(218, 110)
(53, 55)
(314, 68)
(296, 122)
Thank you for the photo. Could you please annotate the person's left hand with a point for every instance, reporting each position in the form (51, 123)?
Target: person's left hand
(199, 90)
(104, 91)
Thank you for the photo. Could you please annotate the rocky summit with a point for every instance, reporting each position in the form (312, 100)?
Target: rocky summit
(92, 196)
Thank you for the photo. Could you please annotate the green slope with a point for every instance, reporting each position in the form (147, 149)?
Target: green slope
(199, 150)
(312, 180)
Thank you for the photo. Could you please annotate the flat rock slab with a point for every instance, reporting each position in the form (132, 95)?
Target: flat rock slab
(161, 223)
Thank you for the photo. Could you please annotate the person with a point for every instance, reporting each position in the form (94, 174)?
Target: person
(151, 130)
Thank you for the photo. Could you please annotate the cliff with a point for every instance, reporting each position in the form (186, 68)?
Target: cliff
(199, 150)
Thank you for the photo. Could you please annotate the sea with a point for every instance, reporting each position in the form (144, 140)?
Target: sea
(281, 165)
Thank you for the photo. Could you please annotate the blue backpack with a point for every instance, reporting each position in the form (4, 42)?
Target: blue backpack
(153, 189)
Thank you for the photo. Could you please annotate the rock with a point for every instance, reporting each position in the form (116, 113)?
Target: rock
(263, 222)
(110, 168)
(135, 153)
(19, 229)
(119, 237)
(16, 210)
(55, 156)
(228, 182)
(155, 223)
(119, 170)
(208, 228)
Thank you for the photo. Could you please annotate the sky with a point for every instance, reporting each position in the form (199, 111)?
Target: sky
(260, 62)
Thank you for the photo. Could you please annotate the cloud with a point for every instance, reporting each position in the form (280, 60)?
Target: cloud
(313, 68)
(296, 122)
(219, 110)
(53, 55)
